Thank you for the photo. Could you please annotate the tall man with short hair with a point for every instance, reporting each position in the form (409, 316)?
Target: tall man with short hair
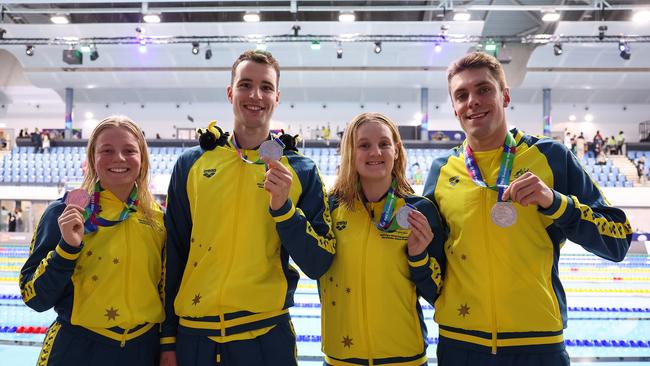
(511, 200)
(233, 218)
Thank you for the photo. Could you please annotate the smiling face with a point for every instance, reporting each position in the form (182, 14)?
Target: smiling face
(253, 95)
(479, 104)
(117, 160)
(374, 153)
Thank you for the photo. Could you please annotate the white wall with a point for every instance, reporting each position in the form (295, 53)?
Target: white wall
(164, 118)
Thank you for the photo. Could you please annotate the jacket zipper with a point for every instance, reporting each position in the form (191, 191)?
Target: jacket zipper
(491, 276)
(231, 252)
(364, 301)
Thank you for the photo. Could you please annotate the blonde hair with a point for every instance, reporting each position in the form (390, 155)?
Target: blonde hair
(145, 198)
(346, 186)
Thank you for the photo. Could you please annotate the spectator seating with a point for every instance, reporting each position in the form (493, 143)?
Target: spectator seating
(64, 164)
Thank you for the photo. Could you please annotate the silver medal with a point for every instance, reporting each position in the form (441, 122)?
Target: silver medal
(503, 214)
(271, 149)
(402, 217)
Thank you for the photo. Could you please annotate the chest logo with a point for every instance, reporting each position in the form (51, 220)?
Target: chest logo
(209, 173)
(340, 225)
(454, 180)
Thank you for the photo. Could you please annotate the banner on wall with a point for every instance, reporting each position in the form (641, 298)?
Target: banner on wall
(446, 135)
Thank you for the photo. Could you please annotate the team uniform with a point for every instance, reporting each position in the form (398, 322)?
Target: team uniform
(503, 292)
(107, 293)
(229, 277)
(371, 313)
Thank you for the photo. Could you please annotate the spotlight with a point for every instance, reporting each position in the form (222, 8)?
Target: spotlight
(624, 47)
(94, 55)
(2, 33)
(377, 48)
(437, 48)
(195, 48)
(29, 50)
(296, 30)
(208, 53)
(339, 51)
(557, 49)
(601, 32)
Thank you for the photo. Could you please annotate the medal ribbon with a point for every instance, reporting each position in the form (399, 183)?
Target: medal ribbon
(387, 221)
(507, 160)
(244, 158)
(92, 221)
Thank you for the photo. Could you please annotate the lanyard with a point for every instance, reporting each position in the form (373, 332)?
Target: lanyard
(387, 221)
(243, 157)
(507, 160)
(92, 221)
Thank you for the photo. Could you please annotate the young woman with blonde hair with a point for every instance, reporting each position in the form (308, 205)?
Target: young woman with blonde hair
(389, 253)
(97, 258)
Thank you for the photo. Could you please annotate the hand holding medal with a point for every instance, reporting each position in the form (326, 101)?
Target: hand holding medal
(529, 189)
(421, 233)
(71, 221)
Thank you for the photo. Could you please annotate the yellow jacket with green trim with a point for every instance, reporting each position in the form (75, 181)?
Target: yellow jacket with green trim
(228, 253)
(111, 285)
(502, 288)
(370, 295)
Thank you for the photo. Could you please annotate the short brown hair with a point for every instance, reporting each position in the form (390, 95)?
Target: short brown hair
(260, 57)
(478, 60)
(346, 186)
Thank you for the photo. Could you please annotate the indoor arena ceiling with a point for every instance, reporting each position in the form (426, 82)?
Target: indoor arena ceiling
(588, 69)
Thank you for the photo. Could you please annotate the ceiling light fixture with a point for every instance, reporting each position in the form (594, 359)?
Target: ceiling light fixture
(29, 50)
(347, 16)
(462, 16)
(557, 49)
(94, 55)
(641, 16)
(60, 19)
(151, 18)
(624, 49)
(377, 48)
(551, 16)
(601, 32)
(252, 17)
(195, 48)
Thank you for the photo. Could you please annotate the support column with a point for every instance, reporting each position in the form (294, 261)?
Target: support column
(424, 110)
(547, 112)
(69, 98)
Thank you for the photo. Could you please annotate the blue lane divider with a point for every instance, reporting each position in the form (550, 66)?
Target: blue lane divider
(600, 309)
(569, 342)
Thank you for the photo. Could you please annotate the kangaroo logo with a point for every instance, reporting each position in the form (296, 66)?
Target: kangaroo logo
(520, 172)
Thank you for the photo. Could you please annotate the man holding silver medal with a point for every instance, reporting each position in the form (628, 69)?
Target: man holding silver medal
(511, 200)
(238, 206)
